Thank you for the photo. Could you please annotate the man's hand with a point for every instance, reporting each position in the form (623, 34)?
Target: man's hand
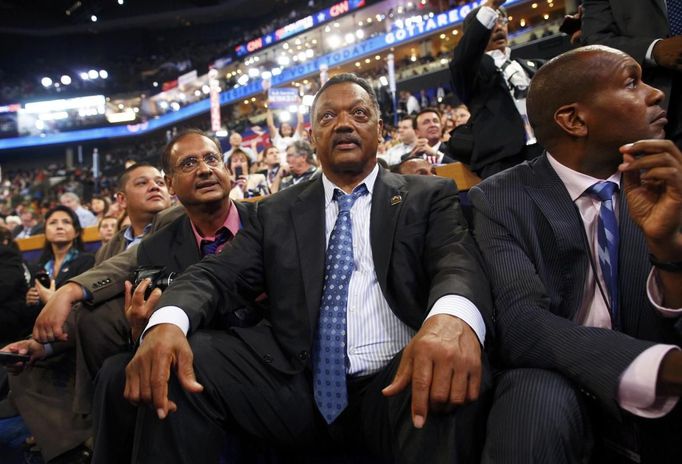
(45, 293)
(422, 147)
(668, 53)
(49, 325)
(494, 4)
(653, 185)
(443, 363)
(137, 310)
(30, 347)
(147, 374)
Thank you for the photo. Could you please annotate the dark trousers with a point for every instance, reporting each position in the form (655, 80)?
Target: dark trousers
(538, 416)
(243, 395)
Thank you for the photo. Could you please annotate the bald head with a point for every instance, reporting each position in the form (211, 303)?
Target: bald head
(571, 77)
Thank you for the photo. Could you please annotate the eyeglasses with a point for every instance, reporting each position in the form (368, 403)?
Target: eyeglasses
(502, 20)
(191, 163)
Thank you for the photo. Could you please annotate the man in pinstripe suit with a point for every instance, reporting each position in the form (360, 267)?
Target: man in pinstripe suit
(576, 371)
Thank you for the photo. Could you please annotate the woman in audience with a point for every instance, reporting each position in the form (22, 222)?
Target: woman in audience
(62, 257)
(245, 185)
(15, 320)
(285, 135)
(99, 206)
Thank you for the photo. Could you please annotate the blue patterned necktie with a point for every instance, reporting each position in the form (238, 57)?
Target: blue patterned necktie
(209, 247)
(329, 354)
(607, 241)
(675, 16)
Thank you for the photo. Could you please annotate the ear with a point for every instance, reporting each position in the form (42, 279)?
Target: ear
(571, 119)
(169, 184)
(313, 142)
(121, 199)
(380, 130)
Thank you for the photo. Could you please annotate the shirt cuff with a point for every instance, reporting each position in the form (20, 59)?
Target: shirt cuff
(649, 58)
(87, 295)
(463, 308)
(487, 16)
(49, 349)
(637, 388)
(653, 291)
(168, 315)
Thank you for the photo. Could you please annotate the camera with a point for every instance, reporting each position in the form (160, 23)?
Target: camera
(160, 278)
(43, 278)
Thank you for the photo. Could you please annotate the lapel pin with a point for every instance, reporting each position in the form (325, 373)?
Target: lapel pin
(395, 199)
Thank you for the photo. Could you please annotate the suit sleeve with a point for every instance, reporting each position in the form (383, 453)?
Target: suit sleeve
(106, 280)
(600, 25)
(466, 60)
(528, 333)
(218, 282)
(452, 259)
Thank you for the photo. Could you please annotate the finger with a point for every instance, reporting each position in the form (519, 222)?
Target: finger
(159, 385)
(474, 383)
(440, 385)
(650, 147)
(131, 392)
(127, 294)
(402, 377)
(459, 385)
(421, 386)
(151, 303)
(138, 295)
(185, 371)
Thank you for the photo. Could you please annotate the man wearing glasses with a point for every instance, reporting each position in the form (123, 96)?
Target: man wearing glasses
(494, 88)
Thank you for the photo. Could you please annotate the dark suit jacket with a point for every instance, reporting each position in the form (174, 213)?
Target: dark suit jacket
(534, 242)
(116, 245)
(15, 319)
(420, 245)
(497, 127)
(35, 230)
(631, 26)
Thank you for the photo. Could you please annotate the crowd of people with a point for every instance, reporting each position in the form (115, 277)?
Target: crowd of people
(317, 291)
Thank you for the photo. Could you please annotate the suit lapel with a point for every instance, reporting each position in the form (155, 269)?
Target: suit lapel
(185, 251)
(387, 199)
(308, 218)
(553, 200)
(630, 268)
(661, 6)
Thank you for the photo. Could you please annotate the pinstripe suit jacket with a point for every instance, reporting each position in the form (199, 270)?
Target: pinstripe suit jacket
(534, 243)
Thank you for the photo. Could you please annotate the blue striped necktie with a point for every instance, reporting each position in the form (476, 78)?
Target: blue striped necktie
(329, 351)
(675, 16)
(607, 241)
(209, 247)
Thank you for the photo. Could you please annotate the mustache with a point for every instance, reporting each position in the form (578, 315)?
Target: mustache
(345, 138)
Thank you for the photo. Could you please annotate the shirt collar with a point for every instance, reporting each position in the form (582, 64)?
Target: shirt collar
(128, 233)
(329, 187)
(232, 223)
(500, 56)
(576, 182)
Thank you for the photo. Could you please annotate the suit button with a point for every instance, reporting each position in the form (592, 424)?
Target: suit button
(108, 280)
(95, 285)
(267, 358)
(303, 355)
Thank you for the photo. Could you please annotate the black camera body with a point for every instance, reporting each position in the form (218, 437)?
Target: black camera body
(160, 278)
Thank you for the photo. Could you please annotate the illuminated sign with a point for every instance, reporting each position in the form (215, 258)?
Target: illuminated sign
(299, 26)
(13, 108)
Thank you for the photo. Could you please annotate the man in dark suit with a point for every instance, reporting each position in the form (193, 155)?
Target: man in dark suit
(647, 31)
(427, 128)
(494, 87)
(584, 325)
(29, 225)
(415, 276)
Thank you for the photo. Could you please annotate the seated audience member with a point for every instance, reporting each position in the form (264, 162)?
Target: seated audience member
(406, 141)
(211, 220)
(461, 115)
(428, 129)
(286, 134)
(415, 165)
(245, 185)
(300, 166)
(15, 319)
(56, 428)
(403, 314)
(142, 193)
(272, 162)
(71, 200)
(107, 229)
(100, 206)
(236, 142)
(494, 88)
(29, 225)
(584, 249)
(12, 222)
